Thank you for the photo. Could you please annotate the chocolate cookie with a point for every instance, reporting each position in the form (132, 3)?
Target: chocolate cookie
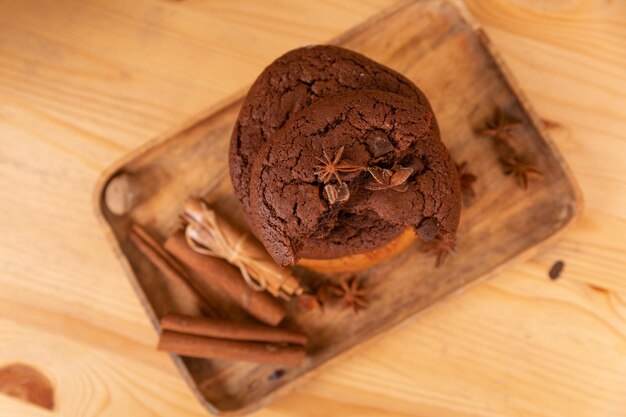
(352, 233)
(366, 154)
(292, 83)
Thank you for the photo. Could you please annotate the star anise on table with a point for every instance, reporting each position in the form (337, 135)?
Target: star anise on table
(332, 167)
(520, 169)
(352, 294)
(499, 128)
(467, 180)
(441, 248)
(383, 178)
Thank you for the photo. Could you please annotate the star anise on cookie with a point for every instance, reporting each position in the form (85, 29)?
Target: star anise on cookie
(332, 167)
(383, 178)
(352, 293)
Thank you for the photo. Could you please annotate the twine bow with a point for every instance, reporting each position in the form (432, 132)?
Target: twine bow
(205, 236)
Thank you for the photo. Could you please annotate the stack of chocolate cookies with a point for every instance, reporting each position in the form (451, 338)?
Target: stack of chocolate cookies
(335, 156)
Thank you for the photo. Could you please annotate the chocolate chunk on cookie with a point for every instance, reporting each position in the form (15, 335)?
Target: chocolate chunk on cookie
(294, 201)
(295, 81)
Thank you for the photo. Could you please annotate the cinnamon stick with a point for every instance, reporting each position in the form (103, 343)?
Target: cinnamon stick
(168, 266)
(210, 234)
(143, 234)
(223, 329)
(204, 347)
(219, 273)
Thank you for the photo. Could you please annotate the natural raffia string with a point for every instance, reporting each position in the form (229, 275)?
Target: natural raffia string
(221, 248)
(208, 234)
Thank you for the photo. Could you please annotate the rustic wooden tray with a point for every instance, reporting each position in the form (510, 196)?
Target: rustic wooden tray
(435, 44)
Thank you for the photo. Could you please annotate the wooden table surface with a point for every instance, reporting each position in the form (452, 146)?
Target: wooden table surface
(84, 82)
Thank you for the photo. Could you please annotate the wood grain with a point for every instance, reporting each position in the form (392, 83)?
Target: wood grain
(81, 83)
(27, 384)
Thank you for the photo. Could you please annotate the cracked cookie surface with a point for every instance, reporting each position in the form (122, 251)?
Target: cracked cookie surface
(292, 83)
(372, 130)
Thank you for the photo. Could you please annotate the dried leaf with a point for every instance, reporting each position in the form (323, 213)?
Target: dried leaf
(374, 185)
(381, 175)
(343, 193)
(339, 193)
(401, 188)
(383, 178)
(331, 193)
(400, 176)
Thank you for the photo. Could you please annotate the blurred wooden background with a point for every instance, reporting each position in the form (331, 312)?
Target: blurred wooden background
(83, 82)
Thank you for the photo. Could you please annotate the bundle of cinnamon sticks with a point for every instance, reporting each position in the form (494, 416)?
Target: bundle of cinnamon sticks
(221, 339)
(214, 337)
(209, 234)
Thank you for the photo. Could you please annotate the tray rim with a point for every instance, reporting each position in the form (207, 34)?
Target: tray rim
(108, 173)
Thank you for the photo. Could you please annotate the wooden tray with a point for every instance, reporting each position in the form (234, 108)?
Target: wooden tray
(436, 45)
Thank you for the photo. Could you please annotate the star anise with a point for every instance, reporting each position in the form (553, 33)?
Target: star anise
(332, 167)
(352, 294)
(441, 248)
(499, 128)
(521, 170)
(383, 178)
(337, 193)
(467, 180)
